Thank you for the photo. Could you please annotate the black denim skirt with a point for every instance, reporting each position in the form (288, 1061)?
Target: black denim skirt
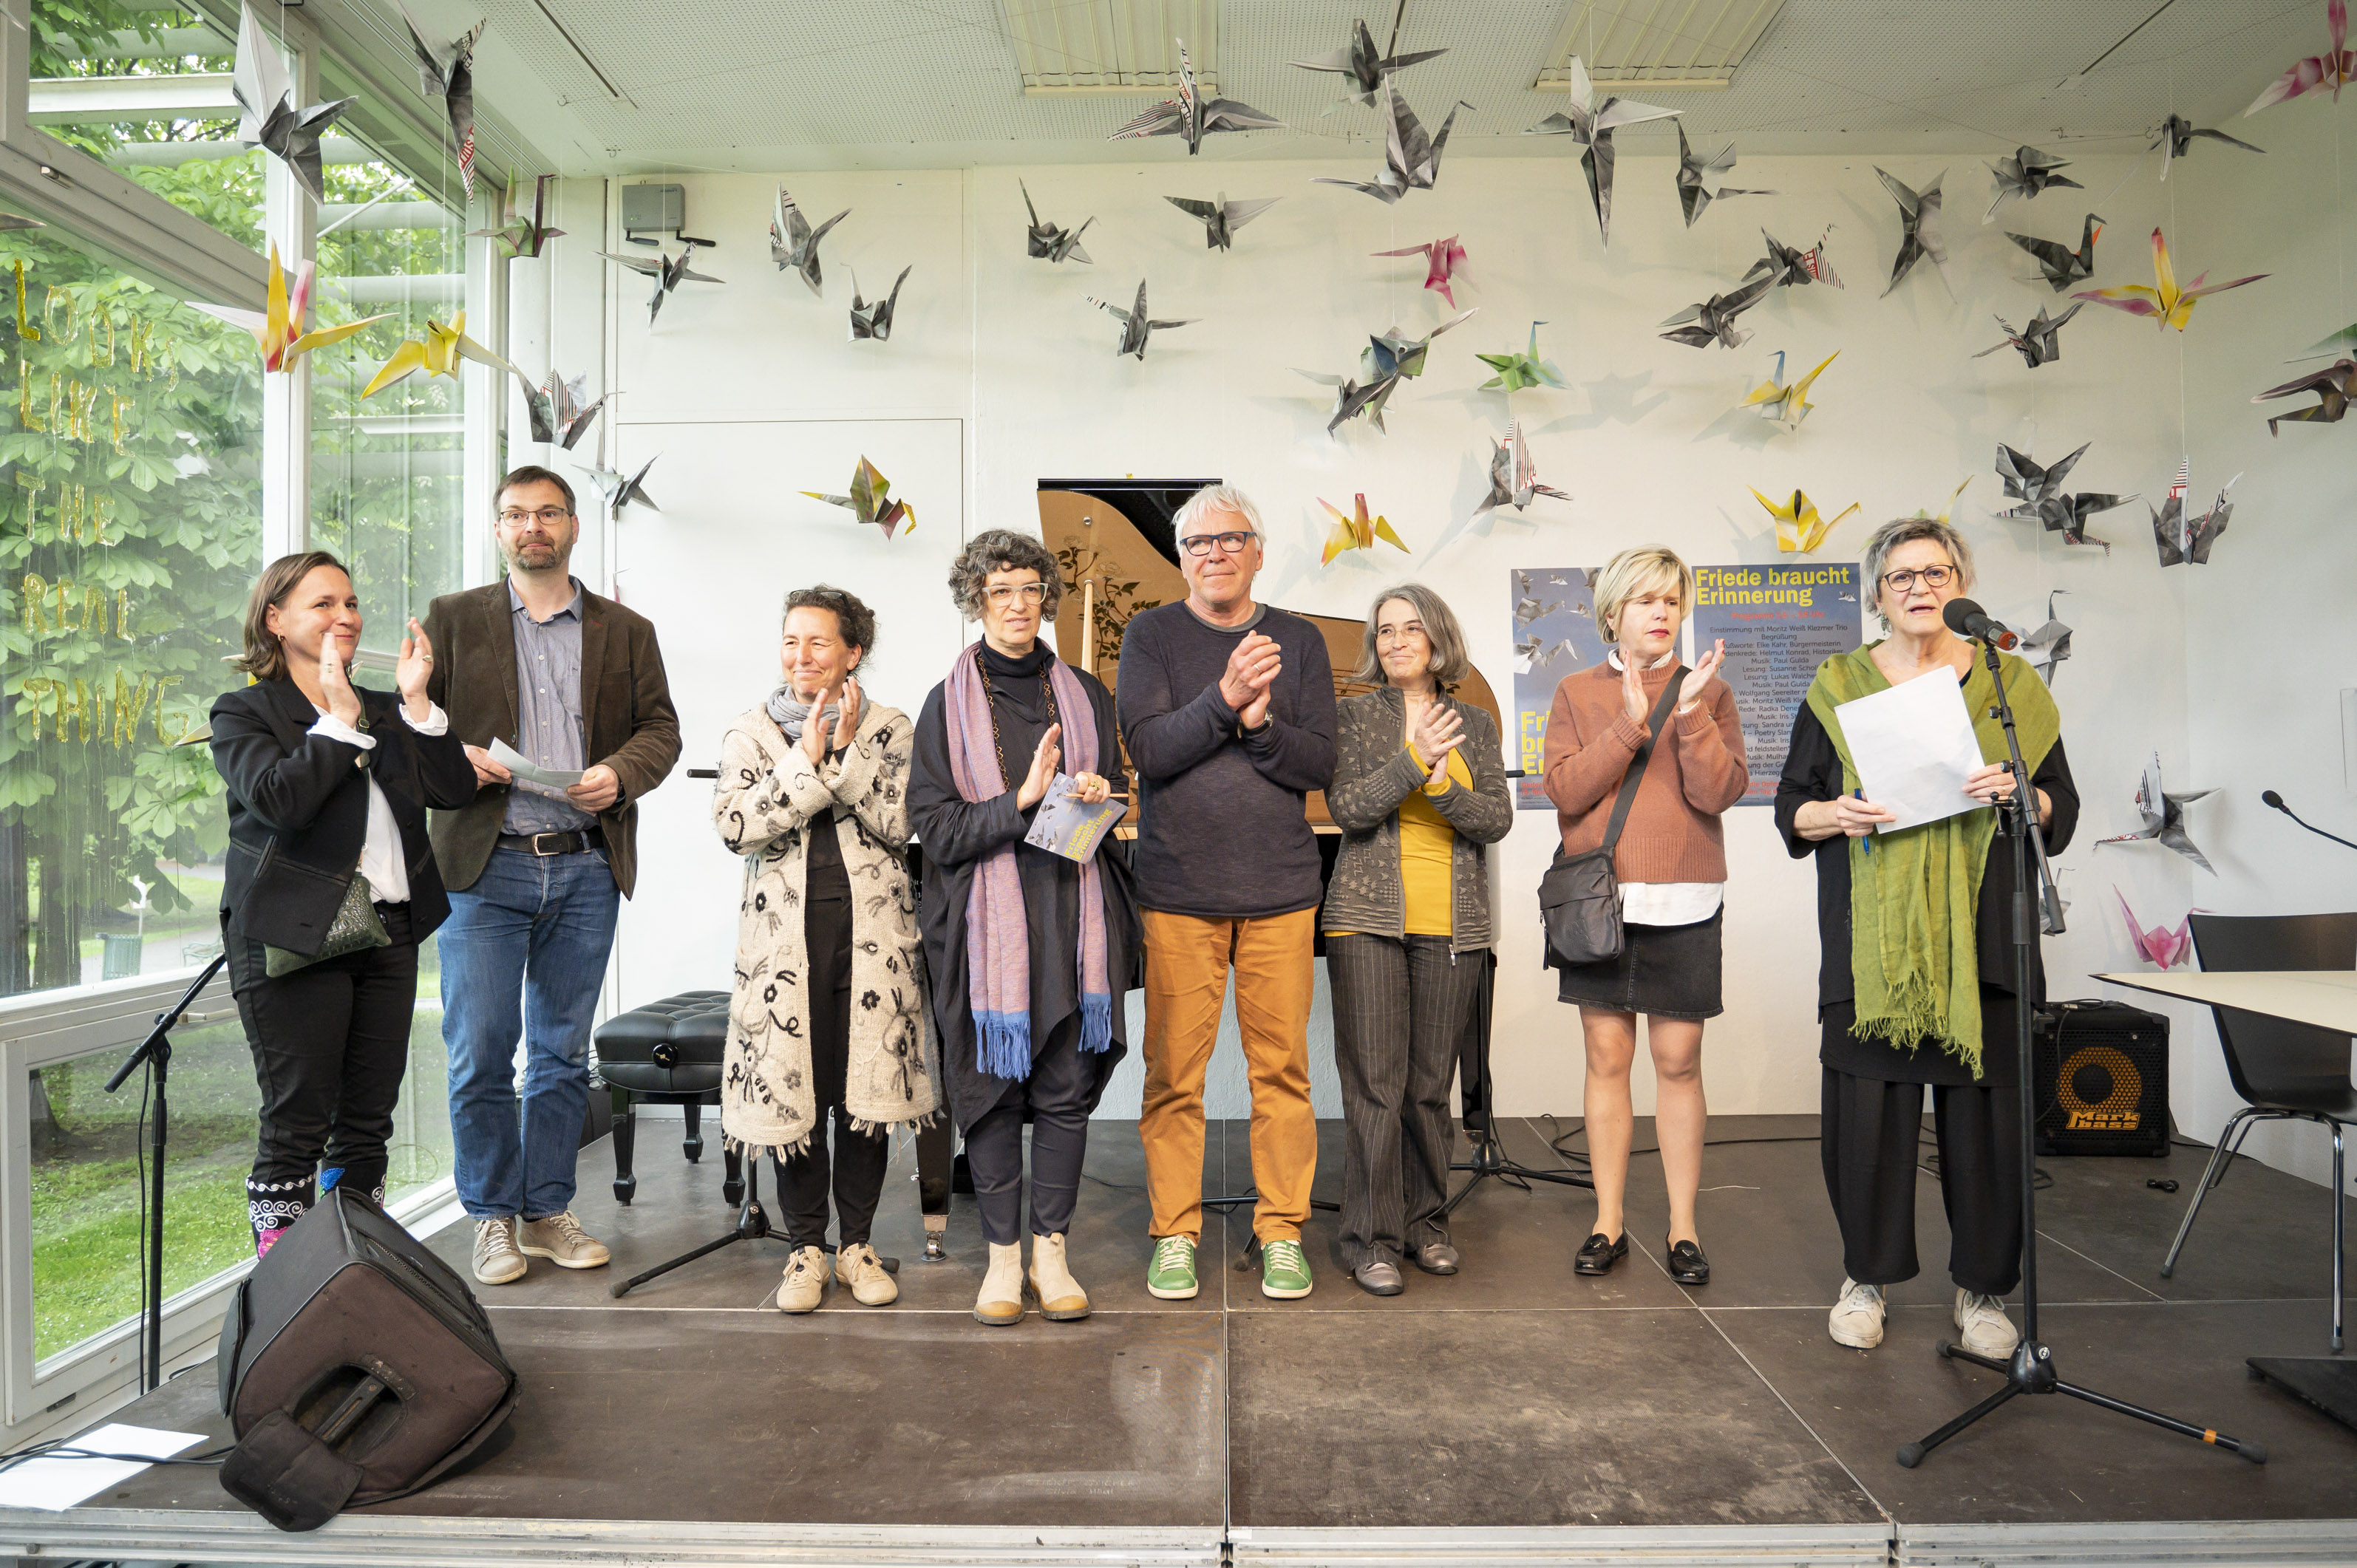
(1669, 971)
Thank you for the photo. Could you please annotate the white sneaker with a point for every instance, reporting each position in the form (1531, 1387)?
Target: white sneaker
(496, 1261)
(1856, 1319)
(804, 1286)
(1986, 1331)
(858, 1267)
(560, 1238)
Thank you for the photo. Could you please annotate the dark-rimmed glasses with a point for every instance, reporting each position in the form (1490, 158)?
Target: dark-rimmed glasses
(1933, 577)
(1229, 543)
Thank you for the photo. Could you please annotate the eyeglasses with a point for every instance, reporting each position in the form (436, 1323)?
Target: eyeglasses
(1229, 543)
(1005, 593)
(1904, 582)
(547, 516)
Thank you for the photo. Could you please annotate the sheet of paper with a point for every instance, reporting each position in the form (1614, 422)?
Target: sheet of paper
(62, 1482)
(1914, 747)
(529, 775)
(1064, 826)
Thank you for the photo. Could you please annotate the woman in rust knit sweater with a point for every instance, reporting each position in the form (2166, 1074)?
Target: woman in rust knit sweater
(1672, 866)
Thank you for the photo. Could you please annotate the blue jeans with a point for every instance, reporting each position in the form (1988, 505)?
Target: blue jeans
(523, 954)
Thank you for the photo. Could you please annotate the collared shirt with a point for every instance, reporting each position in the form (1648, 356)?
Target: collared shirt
(1666, 903)
(549, 727)
(380, 858)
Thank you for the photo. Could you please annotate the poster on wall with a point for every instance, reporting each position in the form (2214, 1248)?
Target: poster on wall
(1554, 610)
(1779, 623)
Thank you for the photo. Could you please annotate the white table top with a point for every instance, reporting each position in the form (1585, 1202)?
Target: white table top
(2326, 998)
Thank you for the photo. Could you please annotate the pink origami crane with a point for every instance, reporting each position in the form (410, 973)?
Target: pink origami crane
(1442, 257)
(2330, 68)
(2159, 945)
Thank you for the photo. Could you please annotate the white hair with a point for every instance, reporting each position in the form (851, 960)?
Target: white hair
(1217, 497)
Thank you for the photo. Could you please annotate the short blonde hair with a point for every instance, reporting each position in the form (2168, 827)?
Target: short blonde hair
(1648, 568)
(1449, 663)
(1899, 531)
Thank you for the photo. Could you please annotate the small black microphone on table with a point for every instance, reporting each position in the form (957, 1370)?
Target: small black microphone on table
(1966, 618)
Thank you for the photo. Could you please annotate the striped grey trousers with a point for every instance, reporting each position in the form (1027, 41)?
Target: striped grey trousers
(1400, 1010)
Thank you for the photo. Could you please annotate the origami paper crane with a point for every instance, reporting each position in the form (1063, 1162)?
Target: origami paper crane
(268, 116)
(1044, 240)
(1357, 532)
(559, 417)
(1784, 265)
(1591, 125)
(1702, 181)
(445, 70)
(1386, 360)
(2062, 266)
(669, 273)
(2040, 342)
(1220, 217)
(1411, 159)
(2181, 539)
(2334, 67)
(518, 235)
(1364, 66)
(2168, 304)
(1527, 608)
(2334, 386)
(437, 354)
(2025, 173)
(2040, 492)
(2159, 945)
(2049, 645)
(873, 319)
(1787, 405)
(1187, 116)
(2339, 342)
(1514, 482)
(1919, 228)
(2176, 139)
(1950, 506)
(279, 328)
(1517, 371)
(1800, 528)
(1135, 326)
(794, 243)
(1528, 656)
(1712, 320)
(868, 501)
(2164, 817)
(9, 221)
(1441, 259)
(618, 491)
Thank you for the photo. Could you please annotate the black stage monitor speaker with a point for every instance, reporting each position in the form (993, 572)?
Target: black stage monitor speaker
(2103, 1079)
(355, 1366)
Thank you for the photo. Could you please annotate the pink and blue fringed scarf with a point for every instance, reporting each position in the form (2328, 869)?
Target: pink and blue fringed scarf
(998, 944)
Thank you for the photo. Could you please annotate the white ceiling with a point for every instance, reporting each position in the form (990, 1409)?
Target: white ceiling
(760, 85)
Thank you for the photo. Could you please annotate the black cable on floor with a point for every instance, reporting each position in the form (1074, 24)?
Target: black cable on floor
(61, 1449)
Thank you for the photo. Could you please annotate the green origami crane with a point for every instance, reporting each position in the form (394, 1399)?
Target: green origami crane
(868, 502)
(518, 235)
(1517, 371)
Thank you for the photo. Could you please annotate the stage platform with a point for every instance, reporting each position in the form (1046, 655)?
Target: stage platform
(1514, 1413)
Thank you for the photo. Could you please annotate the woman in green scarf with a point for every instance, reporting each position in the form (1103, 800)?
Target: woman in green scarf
(1916, 984)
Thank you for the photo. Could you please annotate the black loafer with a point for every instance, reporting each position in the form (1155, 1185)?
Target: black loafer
(1598, 1255)
(1687, 1265)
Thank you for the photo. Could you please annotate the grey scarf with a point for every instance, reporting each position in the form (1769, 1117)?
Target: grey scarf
(790, 710)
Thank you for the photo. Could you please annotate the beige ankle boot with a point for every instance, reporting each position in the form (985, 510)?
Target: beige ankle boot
(1061, 1299)
(1000, 1302)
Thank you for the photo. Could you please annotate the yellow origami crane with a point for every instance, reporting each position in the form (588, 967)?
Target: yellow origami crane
(2167, 303)
(1799, 528)
(279, 328)
(1949, 506)
(1787, 405)
(1357, 532)
(437, 354)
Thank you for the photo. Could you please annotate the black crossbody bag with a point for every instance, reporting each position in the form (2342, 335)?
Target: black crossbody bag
(1579, 897)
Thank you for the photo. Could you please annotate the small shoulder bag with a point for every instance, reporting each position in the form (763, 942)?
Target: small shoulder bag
(1579, 896)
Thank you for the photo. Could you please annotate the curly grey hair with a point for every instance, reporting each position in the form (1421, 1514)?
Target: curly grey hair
(853, 621)
(1002, 550)
(1901, 531)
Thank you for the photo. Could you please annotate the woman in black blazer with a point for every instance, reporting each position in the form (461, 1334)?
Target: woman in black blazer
(327, 788)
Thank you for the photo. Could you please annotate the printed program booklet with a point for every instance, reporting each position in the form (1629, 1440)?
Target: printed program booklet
(1064, 826)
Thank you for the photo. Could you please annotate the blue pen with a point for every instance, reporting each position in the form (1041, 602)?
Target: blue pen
(1866, 843)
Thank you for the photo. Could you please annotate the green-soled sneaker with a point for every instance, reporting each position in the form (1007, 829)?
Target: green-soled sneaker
(1170, 1273)
(1284, 1270)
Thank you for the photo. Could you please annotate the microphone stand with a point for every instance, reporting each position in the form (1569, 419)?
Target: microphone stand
(2272, 798)
(2032, 1369)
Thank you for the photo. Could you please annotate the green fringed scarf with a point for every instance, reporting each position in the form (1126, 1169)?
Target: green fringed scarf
(1914, 901)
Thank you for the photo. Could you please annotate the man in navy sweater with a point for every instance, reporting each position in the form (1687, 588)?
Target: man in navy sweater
(1228, 710)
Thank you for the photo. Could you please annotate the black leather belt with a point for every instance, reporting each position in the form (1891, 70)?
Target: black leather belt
(573, 841)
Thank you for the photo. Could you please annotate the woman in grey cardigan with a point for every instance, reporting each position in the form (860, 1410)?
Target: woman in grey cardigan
(1419, 793)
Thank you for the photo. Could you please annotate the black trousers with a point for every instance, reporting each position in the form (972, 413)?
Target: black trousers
(1057, 1095)
(330, 1043)
(859, 1158)
(1871, 1135)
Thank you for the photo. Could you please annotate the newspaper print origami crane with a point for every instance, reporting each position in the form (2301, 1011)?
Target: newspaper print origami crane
(868, 501)
(1712, 320)
(279, 328)
(2176, 139)
(2040, 342)
(2180, 539)
(518, 235)
(1222, 217)
(559, 417)
(1591, 125)
(2334, 386)
(1702, 181)
(669, 273)
(268, 116)
(445, 70)
(1359, 60)
(1386, 360)
(1786, 266)
(2064, 266)
(1045, 240)
(1135, 325)
(794, 243)
(1919, 228)
(2043, 501)
(1513, 480)
(2164, 817)
(873, 319)
(1188, 116)
(2167, 303)
(2025, 173)
(1411, 159)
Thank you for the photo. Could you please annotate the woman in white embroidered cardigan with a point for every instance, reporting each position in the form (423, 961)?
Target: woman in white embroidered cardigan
(829, 1010)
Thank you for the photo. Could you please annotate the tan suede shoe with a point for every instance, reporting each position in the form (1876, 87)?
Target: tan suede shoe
(871, 1284)
(999, 1302)
(1061, 1299)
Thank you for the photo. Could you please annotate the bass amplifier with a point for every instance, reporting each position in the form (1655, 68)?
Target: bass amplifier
(2103, 1079)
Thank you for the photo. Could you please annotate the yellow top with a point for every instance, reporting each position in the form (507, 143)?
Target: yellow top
(1427, 841)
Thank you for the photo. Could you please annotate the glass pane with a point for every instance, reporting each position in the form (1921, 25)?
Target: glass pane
(147, 90)
(130, 529)
(388, 472)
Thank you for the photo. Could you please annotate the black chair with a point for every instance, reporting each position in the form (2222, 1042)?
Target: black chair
(667, 1053)
(2287, 1071)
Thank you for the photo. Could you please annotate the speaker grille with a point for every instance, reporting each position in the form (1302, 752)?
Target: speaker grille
(2103, 1079)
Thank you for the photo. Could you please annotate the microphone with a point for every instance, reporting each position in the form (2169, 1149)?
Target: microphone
(2269, 798)
(1966, 618)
